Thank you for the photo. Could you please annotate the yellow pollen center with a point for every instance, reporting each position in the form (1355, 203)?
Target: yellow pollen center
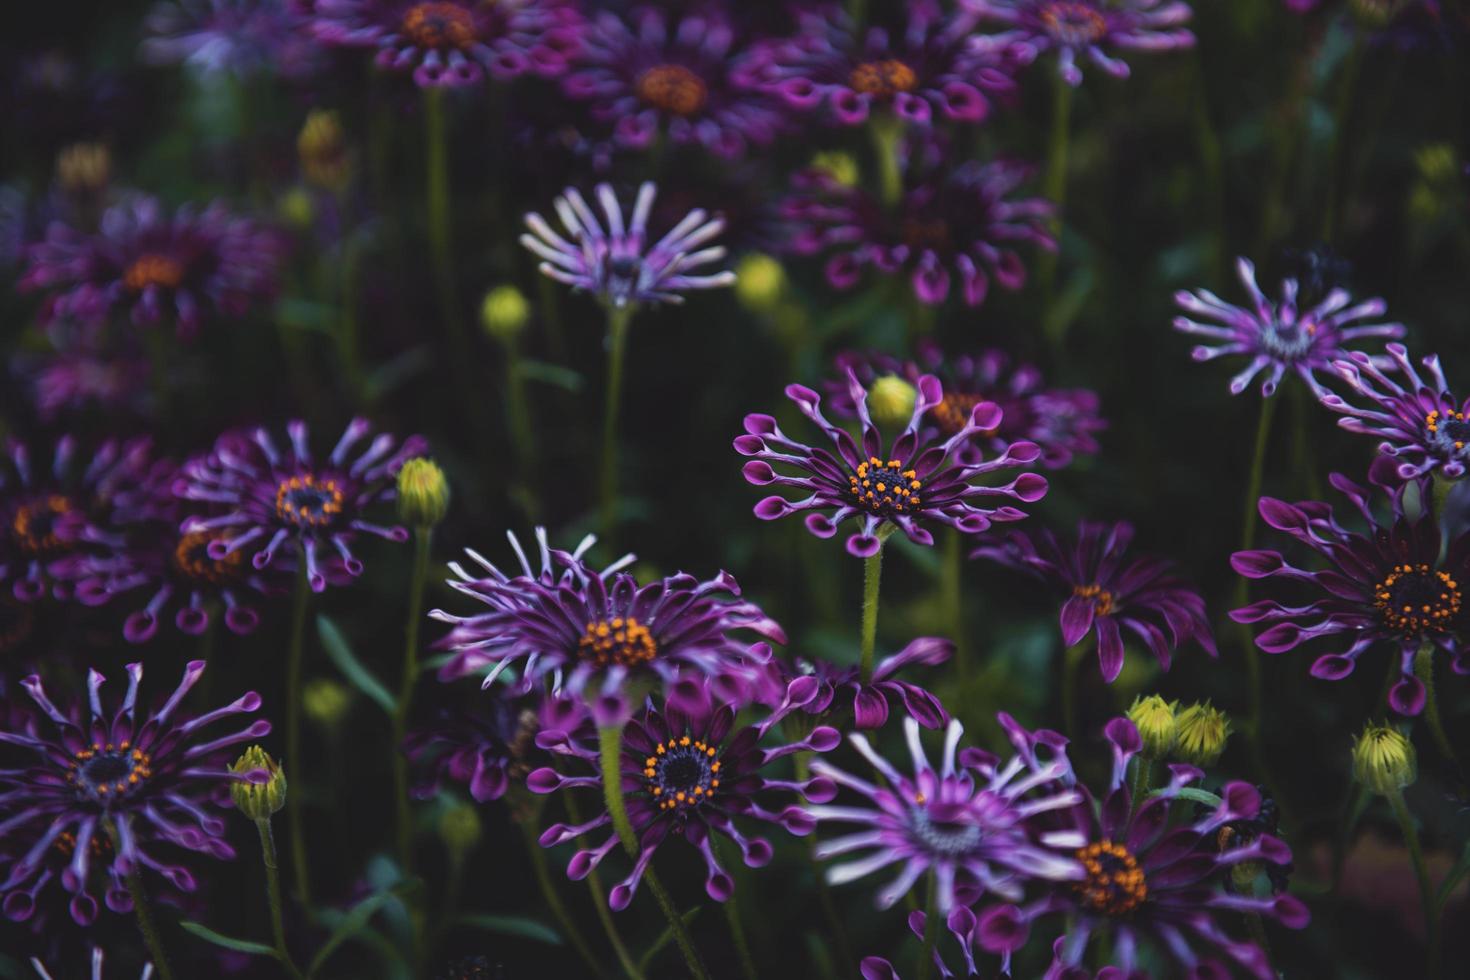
(883, 78)
(1453, 424)
(672, 88)
(885, 488)
(1102, 599)
(953, 412)
(1415, 599)
(191, 558)
(34, 525)
(682, 772)
(1074, 23)
(1115, 884)
(440, 26)
(153, 270)
(621, 640)
(106, 771)
(306, 501)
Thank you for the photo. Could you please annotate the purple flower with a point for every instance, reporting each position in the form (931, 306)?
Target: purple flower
(151, 782)
(688, 772)
(872, 701)
(1107, 593)
(915, 480)
(489, 745)
(1059, 420)
(1421, 423)
(1277, 336)
(190, 266)
(1073, 28)
(456, 42)
(952, 222)
(615, 264)
(686, 81)
(925, 68)
(972, 823)
(275, 504)
(1387, 586)
(1146, 882)
(97, 958)
(239, 37)
(77, 379)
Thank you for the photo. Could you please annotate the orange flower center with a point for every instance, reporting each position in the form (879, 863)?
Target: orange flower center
(107, 771)
(1102, 599)
(1074, 23)
(1415, 599)
(306, 501)
(1115, 884)
(192, 559)
(440, 26)
(621, 640)
(883, 78)
(672, 88)
(33, 528)
(153, 270)
(682, 772)
(885, 488)
(953, 412)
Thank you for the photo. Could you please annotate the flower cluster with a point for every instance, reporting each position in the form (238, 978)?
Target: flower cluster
(1090, 28)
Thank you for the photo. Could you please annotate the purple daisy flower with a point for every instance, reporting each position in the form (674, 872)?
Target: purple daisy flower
(149, 781)
(1277, 336)
(1059, 420)
(972, 823)
(871, 702)
(615, 263)
(1106, 592)
(456, 42)
(1150, 879)
(238, 37)
(1073, 28)
(191, 266)
(277, 504)
(97, 960)
(1421, 422)
(76, 379)
(916, 480)
(485, 748)
(1386, 586)
(925, 68)
(952, 222)
(687, 771)
(685, 80)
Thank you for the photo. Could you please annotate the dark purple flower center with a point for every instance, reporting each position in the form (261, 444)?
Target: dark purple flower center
(1074, 23)
(34, 526)
(1115, 884)
(305, 500)
(621, 640)
(153, 270)
(106, 772)
(682, 772)
(192, 559)
(1102, 599)
(1450, 426)
(440, 26)
(885, 488)
(1416, 599)
(883, 79)
(948, 838)
(672, 88)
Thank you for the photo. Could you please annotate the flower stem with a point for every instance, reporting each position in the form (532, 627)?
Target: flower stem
(847, 963)
(887, 132)
(143, 912)
(1071, 664)
(1247, 536)
(1055, 190)
(518, 417)
(1426, 887)
(437, 139)
(951, 571)
(1424, 670)
(872, 584)
(925, 966)
(273, 895)
(610, 745)
(618, 318)
(293, 730)
(737, 935)
(558, 908)
(1143, 768)
(604, 915)
(421, 539)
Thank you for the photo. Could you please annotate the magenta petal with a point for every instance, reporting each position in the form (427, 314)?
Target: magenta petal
(1407, 696)
(1109, 648)
(1256, 564)
(1332, 667)
(1077, 613)
(869, 708)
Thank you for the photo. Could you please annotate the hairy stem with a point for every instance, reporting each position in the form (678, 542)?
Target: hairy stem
(872, 584)
(273, 895)
(294, 656)
(1426, 887)
(618, 318)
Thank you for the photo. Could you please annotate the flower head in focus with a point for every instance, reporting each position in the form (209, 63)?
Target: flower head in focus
(1087, 28)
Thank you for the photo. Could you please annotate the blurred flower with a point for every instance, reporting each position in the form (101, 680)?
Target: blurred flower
(1073, 28)
(687, 772)
(321, 148)
(1277, 336)
(759, 282)
(918, 479)
(613, 263)
(1202, 732)
(455, 42)
(97, 960)
(837, 166)
(1384, 760)
(1106, 592)
(191, 266)
(258, 800)
(1387, 586)
(485, 748)
(953, 221)
(872, 701)
(973, 823)
(238, 37)
(84, 169)
(460, 829)
(1061, 421)
(151, 782)
(423, 493)
(504, 312)
(1156, 722)
(77, 378)
(326, 701)
(273, 505)
(963, 927)
(891, 400)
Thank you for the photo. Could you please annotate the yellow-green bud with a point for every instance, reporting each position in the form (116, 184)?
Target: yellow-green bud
(1156, 722)
(84, 168)
(325, 701)
(841, 167)
(1384, 760)
(1200, 731)
(322, 149)
(1376, 13)
(297, 208)
(459, 828)
(759, 282)
(891, 401)
(423, 493)
(504, 312)
(258, 800)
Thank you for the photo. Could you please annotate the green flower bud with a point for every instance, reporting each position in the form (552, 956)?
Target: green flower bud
(1156, 722)
(321, 147)
(1384, 760)
(759, 282)
(297, 208)
(84, 168)
(504, 312)
(325, 701)
(459, 828)
(891, 401)
(841, 167)
(258, 800)
(423, 493)
(1201, 731)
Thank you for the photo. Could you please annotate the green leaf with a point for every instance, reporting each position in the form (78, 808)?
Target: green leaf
(664, 938)
(238, 945)
(552, 374)
(512, 925)
(352, 923)
(357, 675)
(1452, 879)
(1190, 793)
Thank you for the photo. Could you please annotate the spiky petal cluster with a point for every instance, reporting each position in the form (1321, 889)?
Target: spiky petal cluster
(884, 691)
(1278, 337)
(1106, 592)
(96, 974)
(238, 37)
(1387, 585)
(914, 481)
(687, 771)
(109, 794)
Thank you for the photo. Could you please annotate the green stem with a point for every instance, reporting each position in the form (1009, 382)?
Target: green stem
(887, 130)
(604, 914)
(618, 318)
(872, 584)
(437, 138)
(1143, 767)
(143, 912)
(422, 536)
(1336, 149)
(1055, 190)
(558, 908)
(347, 332)
(293, 732)
(518, 415)
(1424, 670)
(1071, 670)
(1426, 887)
(273, 895)
(925, 966)
(847, 963)
(953, 613)
(737, 935)
(1247, 536)
(610, 745)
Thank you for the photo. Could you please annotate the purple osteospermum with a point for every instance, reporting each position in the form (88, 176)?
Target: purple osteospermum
(1421, 423)
(1073, 28)
(1106, 592)
(928, 67)
(615, 263)
(1388, 585)
(1278, 337)
(97, 959)
(872, 701)
(275, 504)
(240, 37)
(150, 780)
(490, 744)
(1059, 420)
(190, 266)
(966, 929)
(455, 42)
(972, 823)
(952, 222)
(76, 379)
(1148, 883)
(915, 480)
(685, 80)
(684, 772)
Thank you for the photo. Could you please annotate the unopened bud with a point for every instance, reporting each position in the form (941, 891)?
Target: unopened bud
(423, 493)
(1384, 760)
(759, 282)
(258, 800)
(322, 149)
(459, 828)
(891, 401)
(1201, 731)
(504, 312)
(1156, 722)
